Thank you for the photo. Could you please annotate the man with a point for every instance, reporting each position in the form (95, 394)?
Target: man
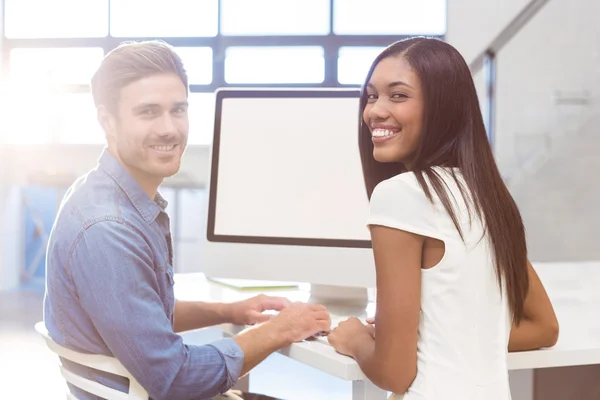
(109, 283)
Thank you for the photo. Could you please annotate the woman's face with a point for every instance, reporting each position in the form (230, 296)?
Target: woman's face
(394, 111)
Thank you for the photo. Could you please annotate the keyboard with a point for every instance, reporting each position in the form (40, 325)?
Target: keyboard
(335, 321)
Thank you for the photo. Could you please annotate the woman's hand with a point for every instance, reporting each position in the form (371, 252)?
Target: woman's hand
(349, 335)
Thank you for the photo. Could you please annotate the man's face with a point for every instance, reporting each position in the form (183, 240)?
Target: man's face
(149, 132)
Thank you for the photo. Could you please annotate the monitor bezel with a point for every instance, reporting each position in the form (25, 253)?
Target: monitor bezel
(225, 93)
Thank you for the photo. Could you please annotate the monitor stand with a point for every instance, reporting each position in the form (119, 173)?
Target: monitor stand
(340, 301)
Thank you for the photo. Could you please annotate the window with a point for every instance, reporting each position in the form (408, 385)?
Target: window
(275, 17)
(354, 64)
(163, 18)
(389, 17)
(201, 113)
(55, 65)
(53, 47)
(26, 114)
(56, 18)
(77, 122)
(274, 65)
(45, 117)
(198, 62)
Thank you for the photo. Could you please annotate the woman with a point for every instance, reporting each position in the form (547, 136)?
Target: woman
(454, 287)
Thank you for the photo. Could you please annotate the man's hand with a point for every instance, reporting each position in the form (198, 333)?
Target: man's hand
(250, 311)
(350, 335)
(294, 323)
(300, 321)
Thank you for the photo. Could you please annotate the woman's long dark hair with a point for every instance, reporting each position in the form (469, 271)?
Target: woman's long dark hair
(454, 135)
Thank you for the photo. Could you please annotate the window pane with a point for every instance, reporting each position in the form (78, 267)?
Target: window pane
(55, 65)
(354, 63)
(202, 118)
(290, 17)
(401, 17)
(56, 18)
(25, 114)
(68, 118)
(198, 62)
(76, 121)
(274, 65)
(163, 18)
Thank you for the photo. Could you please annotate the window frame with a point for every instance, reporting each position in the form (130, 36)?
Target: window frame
(331, 44)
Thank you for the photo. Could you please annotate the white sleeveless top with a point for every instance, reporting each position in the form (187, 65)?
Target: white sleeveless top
(465, 322)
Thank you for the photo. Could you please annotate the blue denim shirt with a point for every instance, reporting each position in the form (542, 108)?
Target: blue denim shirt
(109, 290)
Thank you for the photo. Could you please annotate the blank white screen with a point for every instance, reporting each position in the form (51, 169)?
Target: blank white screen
(290, 168)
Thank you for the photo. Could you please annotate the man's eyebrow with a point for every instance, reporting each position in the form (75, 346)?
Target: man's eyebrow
(142, 106)
(146, 105)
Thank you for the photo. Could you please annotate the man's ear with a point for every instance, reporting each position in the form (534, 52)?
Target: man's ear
(107, 121)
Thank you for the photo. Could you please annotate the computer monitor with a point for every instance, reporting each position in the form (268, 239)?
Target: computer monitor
(287, 198)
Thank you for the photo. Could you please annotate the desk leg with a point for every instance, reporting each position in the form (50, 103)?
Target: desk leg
(366, 390)
(521, 384)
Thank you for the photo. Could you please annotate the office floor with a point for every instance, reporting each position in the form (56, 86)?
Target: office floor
(29, 371)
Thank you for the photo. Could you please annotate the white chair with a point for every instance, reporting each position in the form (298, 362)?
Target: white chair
(96, 361)
(102, 363)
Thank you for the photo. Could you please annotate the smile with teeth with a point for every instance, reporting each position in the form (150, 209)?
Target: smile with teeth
(163, 148)
(381, 133)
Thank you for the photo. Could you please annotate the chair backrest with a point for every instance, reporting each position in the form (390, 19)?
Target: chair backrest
(96, 361)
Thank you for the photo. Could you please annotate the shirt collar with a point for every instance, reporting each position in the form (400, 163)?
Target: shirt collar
(147, 208)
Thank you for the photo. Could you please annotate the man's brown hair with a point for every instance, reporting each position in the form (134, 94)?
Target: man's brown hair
(129, 62)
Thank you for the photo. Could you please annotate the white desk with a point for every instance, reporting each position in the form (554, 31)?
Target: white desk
(572, 287)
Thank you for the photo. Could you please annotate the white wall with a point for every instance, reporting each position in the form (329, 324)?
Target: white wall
(4, 284)
(559, 202)
(556, 55)
(557, 52)
(472, 24)
(3, 195)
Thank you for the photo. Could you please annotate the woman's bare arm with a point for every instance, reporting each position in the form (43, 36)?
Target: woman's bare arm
(539, 327)
(391, 361)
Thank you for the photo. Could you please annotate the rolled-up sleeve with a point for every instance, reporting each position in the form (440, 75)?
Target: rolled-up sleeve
(112, 268)
(234, 360)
